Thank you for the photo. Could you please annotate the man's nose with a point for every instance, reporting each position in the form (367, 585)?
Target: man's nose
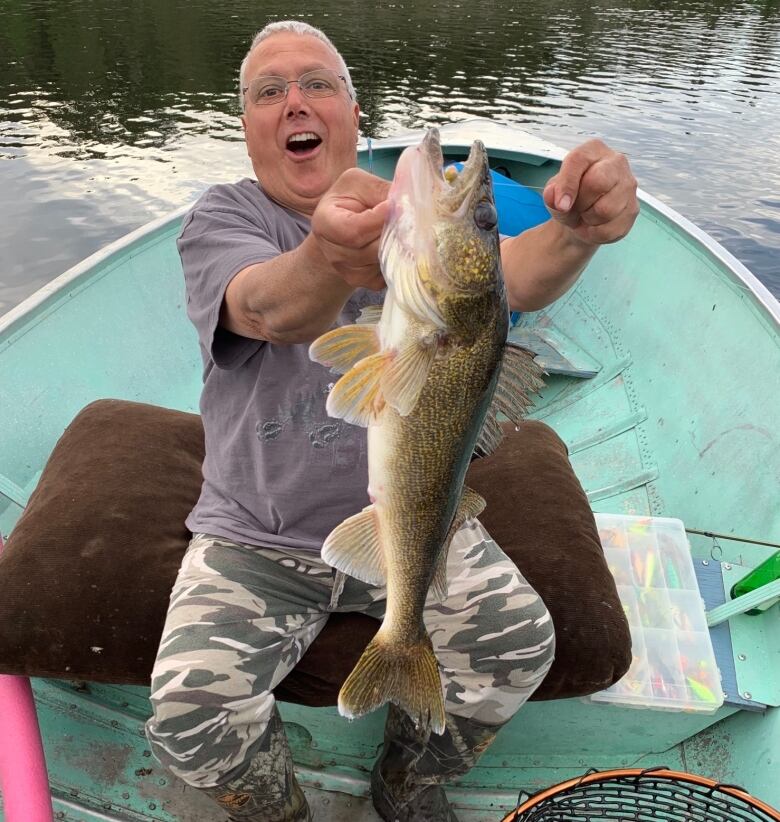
(296, 101)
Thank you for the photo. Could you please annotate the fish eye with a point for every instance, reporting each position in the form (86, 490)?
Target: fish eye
(485, 216)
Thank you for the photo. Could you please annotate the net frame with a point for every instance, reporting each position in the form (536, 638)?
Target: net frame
(639, 795)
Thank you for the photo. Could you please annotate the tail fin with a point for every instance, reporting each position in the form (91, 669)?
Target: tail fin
(407, 675)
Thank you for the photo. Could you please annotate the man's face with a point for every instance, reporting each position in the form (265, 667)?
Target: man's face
(298, 178)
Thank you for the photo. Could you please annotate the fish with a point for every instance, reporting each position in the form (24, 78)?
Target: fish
(427, 373)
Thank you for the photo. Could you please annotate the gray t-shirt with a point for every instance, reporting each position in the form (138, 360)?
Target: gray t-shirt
(278, 471)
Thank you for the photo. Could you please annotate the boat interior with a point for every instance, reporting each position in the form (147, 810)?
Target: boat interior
(663, 369)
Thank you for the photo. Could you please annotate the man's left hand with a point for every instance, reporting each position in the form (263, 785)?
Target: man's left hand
(594, 194)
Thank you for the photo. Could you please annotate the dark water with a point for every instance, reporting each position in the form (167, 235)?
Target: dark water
(113, 113)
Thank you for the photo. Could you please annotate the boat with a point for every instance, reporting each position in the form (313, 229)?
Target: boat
(666, 392)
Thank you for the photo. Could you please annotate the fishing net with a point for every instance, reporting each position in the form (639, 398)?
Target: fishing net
(650, 795)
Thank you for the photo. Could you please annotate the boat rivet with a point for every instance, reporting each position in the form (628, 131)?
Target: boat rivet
(747, 695)
(741, 657)
(705, 562)
(60, 814)
(107, 806)
(147, 753)
(727, 566)
(162, 782)
(125, 795)
(152, 806)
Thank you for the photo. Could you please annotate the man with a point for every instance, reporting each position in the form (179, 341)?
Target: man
(270, 265)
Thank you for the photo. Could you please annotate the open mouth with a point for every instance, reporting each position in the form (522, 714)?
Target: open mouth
(303, 144)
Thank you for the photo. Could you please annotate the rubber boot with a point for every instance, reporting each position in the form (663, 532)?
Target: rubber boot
(267, 791)
(406, 779)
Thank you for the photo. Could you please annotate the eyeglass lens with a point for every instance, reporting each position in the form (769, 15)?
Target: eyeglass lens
(317, 83)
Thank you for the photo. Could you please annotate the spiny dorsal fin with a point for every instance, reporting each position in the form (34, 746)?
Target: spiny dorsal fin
(354, 548)
(490, 437)
(471, 505)
(341, 348)
(519, 377)
(356, 397)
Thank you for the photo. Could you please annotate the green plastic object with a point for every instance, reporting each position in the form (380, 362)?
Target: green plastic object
(765, 574)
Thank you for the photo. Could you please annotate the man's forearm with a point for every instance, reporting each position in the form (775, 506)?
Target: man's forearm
(541, 264)
(291, 299)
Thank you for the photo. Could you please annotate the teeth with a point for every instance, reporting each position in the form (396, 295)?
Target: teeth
(299, 138)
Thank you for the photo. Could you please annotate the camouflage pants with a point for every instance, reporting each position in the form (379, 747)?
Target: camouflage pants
(241, 617)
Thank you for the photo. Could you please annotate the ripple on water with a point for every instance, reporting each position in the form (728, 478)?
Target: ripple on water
(107, 130)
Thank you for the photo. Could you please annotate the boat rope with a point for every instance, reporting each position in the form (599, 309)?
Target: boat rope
(714, 535)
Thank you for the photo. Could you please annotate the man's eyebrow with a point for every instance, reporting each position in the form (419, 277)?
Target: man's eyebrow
(276, 72)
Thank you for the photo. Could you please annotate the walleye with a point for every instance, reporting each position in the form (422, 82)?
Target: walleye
(427, 373)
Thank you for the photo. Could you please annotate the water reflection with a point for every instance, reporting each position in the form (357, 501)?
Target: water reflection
(111, 113)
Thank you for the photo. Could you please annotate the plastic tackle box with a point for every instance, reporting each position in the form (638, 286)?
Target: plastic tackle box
(673, 666)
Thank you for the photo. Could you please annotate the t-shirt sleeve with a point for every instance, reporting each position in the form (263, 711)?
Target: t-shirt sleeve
(216, 242)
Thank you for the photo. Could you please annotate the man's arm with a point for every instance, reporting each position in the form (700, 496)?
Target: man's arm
(592, 201)
(298, 295)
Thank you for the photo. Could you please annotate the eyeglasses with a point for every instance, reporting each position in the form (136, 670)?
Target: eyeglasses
(267, 90)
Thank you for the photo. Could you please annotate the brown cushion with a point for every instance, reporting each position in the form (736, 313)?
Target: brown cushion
(87, 571)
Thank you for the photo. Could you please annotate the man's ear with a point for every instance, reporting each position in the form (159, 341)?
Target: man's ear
(356, 114)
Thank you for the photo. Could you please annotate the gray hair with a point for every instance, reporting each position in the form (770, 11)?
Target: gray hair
(293, 27)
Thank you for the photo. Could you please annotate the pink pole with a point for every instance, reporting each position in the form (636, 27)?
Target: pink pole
(24, 781)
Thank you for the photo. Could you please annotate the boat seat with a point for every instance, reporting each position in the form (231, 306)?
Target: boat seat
(87, 571)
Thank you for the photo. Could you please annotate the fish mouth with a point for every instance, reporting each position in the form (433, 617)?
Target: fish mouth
(457, 189)
(432, 228)
(420, 178)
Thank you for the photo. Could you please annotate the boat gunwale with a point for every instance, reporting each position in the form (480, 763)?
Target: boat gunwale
(453, 135)
(88, 264)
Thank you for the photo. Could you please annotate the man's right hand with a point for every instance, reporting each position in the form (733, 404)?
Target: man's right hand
(347, 224)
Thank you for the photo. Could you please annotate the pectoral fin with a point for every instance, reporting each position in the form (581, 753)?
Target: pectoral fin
(354, 548)
(343, 347)
(471, 505)
(371, 314)
(406, 375)
(357, 397)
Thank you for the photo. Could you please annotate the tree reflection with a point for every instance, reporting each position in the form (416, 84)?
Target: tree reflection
(138, 73)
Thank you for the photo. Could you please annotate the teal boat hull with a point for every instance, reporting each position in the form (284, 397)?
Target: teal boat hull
(681, 419)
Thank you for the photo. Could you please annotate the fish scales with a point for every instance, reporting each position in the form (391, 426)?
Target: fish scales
(422, 377)
(439, 437)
